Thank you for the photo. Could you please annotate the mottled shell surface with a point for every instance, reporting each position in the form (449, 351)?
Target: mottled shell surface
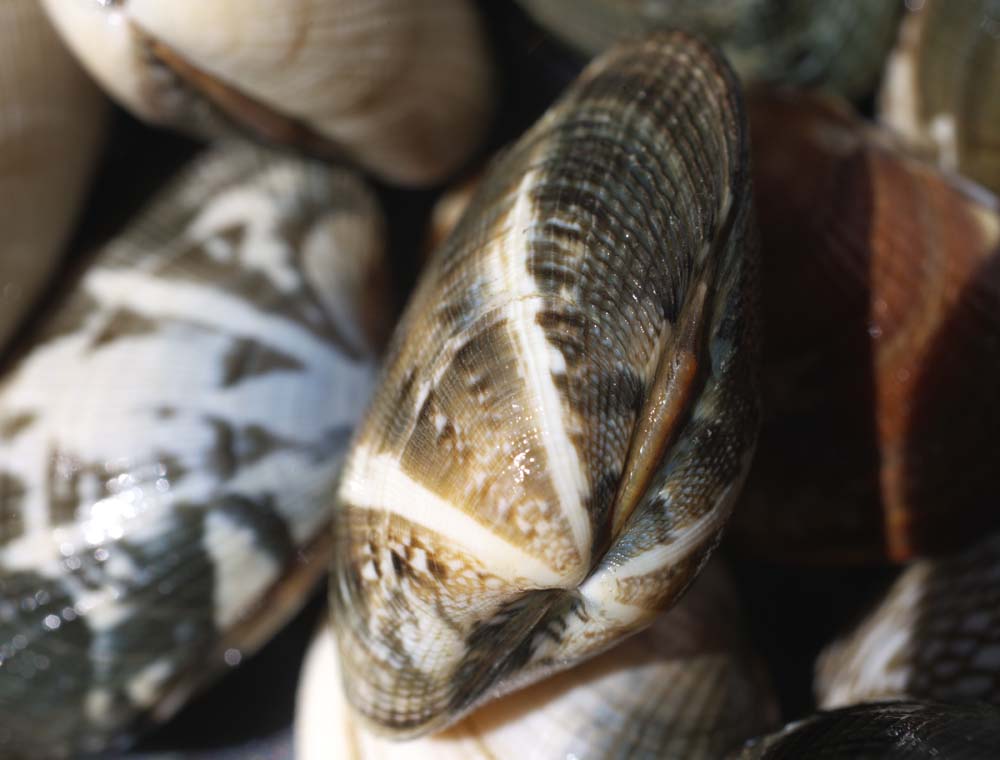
(877, 432)
(51, 124)
(936, 635)
(941, 89)
(569, 404)
(891, 731)
(403, 88)
(687, 687)
(169, 443)
(837, 45)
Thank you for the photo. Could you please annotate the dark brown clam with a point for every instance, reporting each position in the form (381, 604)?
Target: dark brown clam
(882, 344)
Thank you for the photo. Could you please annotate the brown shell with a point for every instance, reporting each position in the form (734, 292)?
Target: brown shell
(882, 344)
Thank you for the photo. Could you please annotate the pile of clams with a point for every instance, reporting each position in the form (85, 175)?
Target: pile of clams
(683, 445)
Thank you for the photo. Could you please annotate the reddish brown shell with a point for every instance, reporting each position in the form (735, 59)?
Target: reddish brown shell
(882, 344)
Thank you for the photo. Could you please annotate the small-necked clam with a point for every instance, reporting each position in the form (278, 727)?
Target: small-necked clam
(170, 439)
(941, 90)
(570, 405)
(404, 88)
(687, 687)
(51, 123)
(839, 45)
(891, 731)
(936, 635)
(881, 405)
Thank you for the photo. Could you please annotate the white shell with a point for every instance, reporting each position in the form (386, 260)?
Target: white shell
(404, 88)
(51, 119)
(684, 688)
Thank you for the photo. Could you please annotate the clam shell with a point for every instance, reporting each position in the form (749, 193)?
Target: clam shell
(941, 89)
(169, 441)
(569, 403)
(935, 636)
(51, 124)
(901, 731)
(405, 89)
(686, 687)
(878, 440)
(839, 45)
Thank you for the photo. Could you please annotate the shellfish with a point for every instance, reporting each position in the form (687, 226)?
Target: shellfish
(374, 81)
(686, 687)
(839, 45)
(935, 636)
(51, 125)
(169, 440)
(892, 270)
(569, 405)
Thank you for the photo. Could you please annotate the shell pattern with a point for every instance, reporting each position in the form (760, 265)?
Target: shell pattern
(368, 80)
(685, 687)
(169, 441)
(51, 126)
(569, 404)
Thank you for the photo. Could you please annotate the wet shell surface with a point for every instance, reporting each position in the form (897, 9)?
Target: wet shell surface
(839, 45)
(891, 269)
(687, 687)
(403, 88)
(941, 89)
(51, 125)
(891, 731)
(936, 635)
(169, 444)
(569, 404)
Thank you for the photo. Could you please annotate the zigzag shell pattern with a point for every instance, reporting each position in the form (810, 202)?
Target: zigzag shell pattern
(569, 404)
(169, 441)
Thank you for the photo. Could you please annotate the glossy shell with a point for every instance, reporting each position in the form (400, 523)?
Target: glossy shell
(838, 45)
(169, 443)
(941, 89)
(569, 405)
(686, 687)
(51, 124)
(872, 406)
(935, 635)
(404, 89)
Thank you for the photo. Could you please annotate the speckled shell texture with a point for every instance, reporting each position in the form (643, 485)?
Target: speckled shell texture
(51, 124)
(891, 731)
(838, 45)
(687, 687)
(569, 406)
(170, 439)
(941, 89)
(936, 635)
(881, 280)
(403, 88)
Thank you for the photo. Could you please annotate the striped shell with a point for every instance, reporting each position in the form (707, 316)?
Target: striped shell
(169, 441)
(892, 270)
(936, 636)
(838, 45)
(941, 89)
(569, 404)
(51, 124)
(376, 81)
(686, 687)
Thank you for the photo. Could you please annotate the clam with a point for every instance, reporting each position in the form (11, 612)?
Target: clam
(880, 427)
(686, 687)
(893, 731)
(935, 636)
(51, 120)
(169, 440)
(569, 404)
(940, 90)
(404, 89)
(840, 46)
